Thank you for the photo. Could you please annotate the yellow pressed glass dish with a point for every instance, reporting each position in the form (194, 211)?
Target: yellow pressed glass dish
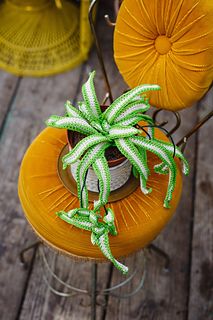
(43, 37)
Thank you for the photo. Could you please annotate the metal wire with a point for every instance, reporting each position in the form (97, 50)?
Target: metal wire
(98, 48)
(46, 264)
(22, 253)
(109, 21)
(121, 284)
(56, 292)
(177, 116)
(184, 139)
(195, 128)
(168, 134)
(107, 291)
(132, 293)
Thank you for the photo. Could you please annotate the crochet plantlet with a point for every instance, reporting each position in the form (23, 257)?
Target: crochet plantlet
(117, 126)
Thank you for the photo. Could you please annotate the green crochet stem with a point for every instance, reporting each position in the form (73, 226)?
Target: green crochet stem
(117, 126)
(89, 220)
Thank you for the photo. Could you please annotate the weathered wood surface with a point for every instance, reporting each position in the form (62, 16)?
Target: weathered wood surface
(201, 284)
(183, 293)
(9, 86)
(165, 293)
(73, 308)
(35, 100)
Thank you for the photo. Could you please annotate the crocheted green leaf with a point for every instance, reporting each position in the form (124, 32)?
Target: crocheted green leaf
(74, 124)
(130, 121)
(84, 110)
(120, 103)
(159, 150)
(170, 148)
(99, 230)
(90, 98)
(109, 219)
(72, 111)
(103, 243)
(101, 169)
(161, 168)
(132, 109)
(77, 221)
(128, 149)
(81, 148)
(88, 159)
(118, 131)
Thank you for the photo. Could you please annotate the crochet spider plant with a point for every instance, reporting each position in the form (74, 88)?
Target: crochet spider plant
(116, 126)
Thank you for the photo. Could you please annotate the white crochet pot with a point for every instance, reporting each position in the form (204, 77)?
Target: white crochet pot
(120, 168)
(119, 176)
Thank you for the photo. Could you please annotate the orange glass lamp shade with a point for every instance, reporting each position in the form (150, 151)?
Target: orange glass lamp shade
(169, 43)
(139, 218)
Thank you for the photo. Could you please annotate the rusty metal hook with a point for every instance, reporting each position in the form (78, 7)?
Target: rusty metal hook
(178, 121)
(184, 140)
(109, 21)
(116, 9)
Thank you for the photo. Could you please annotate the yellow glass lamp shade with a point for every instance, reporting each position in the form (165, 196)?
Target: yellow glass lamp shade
(43, 37)
(139, 218)
(169, 43)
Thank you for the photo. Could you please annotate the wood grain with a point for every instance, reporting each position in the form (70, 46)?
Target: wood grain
(61, 307)
(9, 85)
(36, 99)
(164, 296)
(201, 286)
(45, 304)
(183, 293)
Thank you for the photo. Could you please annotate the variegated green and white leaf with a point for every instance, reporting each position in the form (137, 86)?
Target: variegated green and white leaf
(143, 154)
(120, 103)
(99, 234)
(81, 148)
(109, 219)
(161, 168)
(93, 217)
(88, 159)
(132, 109)
(86, 112)
(90, 98)
(170, 148)
(128, 149)
(74, 124)
(118, 131)
(72, 111)
(79, 221)
(148, 119)
(157, 149)
(131, 121)
(151, 132)
(98, 127)
(101, 169)
(103, 243)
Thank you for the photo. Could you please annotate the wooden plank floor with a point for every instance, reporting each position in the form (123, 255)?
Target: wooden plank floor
(185, 292)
